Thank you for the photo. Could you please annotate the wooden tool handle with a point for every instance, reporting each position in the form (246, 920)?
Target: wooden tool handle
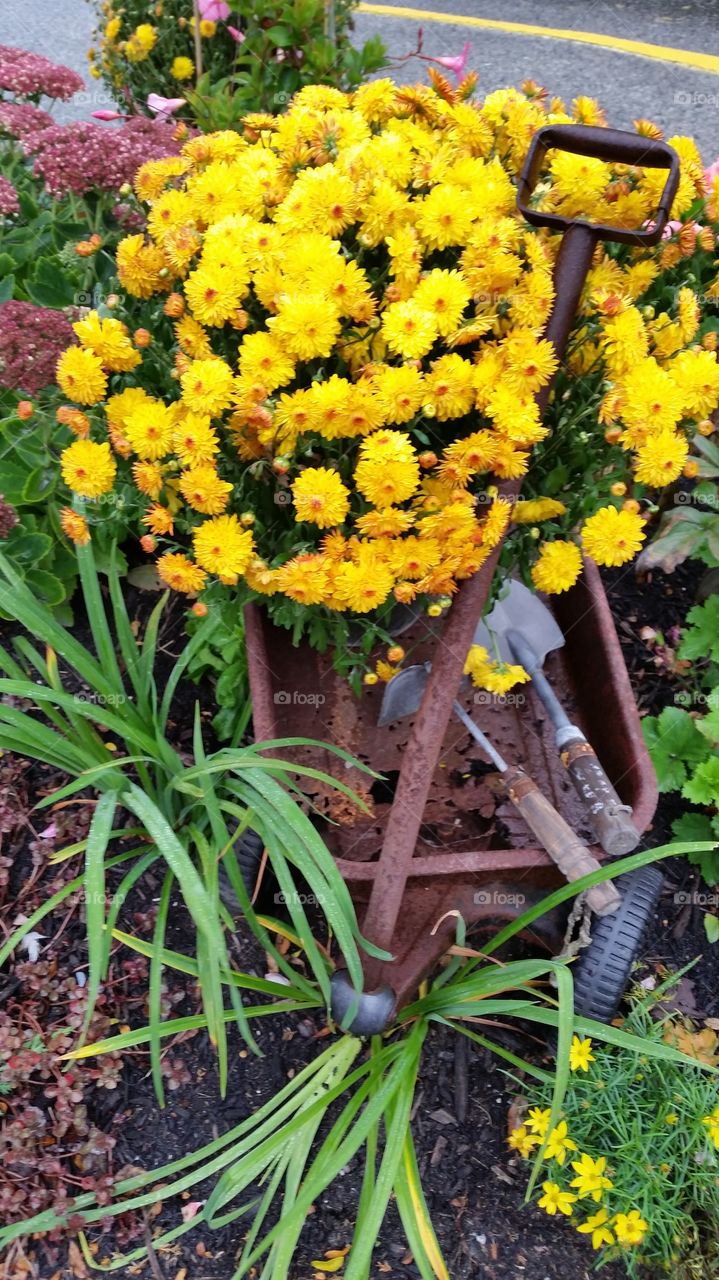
(564, 847)
(611, 820)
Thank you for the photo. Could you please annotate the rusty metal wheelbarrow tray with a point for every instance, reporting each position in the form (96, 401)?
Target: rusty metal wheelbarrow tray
(463, 862)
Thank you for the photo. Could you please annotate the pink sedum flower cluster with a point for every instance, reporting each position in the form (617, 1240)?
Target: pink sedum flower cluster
(19, 119)
(31, 340)
(82, 156)
(29, 75)
(9, 202)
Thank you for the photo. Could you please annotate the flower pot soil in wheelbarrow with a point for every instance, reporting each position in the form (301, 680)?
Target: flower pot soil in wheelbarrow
(474, 853)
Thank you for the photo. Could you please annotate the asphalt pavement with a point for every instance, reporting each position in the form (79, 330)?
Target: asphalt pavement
(681, 98)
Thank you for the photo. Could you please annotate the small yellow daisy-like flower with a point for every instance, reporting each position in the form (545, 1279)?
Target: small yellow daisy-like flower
(555, 1200)
(613, 537)
(320, 497)
(522, 1141)
(630, 1228)
(580, 1054)
(559, 1143)
(80, 375)
(591, 1180)
(204, 490)
(75, 526)
(178, 572)
(223, 547)
(557, 568)
(445, 295)
(598, 1227)
(139, 265)
(182, 68)
(158, 519)
(88, 468)
(660, 459)
(537, 1119)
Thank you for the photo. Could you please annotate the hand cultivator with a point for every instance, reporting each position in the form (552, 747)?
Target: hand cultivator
(439, 841)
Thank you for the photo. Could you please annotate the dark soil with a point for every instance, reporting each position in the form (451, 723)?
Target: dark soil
(473, 1185)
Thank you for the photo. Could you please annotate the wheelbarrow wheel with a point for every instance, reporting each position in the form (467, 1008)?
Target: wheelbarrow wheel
(248, 853)
(602, 970)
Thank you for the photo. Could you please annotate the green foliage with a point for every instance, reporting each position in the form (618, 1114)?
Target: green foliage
(690, 529)
(285, 44)
(684, 745)
(645, 1116)
(188, 817)
(359, 1100)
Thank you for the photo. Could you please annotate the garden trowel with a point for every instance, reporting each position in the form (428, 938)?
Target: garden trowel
(403, 696)
(522, 629)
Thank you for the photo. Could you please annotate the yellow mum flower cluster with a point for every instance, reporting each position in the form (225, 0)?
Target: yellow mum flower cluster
(590, 1181)
(350, 311)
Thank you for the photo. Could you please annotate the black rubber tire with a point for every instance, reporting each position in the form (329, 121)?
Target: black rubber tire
(602, 970)
(248, 854)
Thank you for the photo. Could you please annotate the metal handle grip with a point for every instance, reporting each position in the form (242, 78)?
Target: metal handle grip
(555, 835)
(610, 819)
(613, 146)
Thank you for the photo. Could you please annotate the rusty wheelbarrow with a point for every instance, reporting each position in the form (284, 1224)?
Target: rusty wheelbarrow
(440, 839)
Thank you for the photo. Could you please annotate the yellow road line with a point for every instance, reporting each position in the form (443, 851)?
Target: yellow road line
(663, 53)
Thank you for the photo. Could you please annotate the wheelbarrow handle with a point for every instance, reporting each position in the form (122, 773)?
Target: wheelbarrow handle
(562, 844)
(613, 146)
(610, 819)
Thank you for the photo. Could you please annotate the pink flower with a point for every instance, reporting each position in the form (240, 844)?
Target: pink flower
(710, 176)
(108, 115)
(164, 107)
(458, 64)
(214, 10)
(238, 36)
(9, 202)
(28, 75)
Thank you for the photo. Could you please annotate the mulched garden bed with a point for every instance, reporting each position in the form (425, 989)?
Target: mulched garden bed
(473, 1184)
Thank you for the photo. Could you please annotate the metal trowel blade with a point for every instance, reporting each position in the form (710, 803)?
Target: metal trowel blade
(520, 610)
(403, 694)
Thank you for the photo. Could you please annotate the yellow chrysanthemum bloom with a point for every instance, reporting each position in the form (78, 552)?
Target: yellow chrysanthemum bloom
(204, 490)
(388, 470)
(362, 585)
(613, 537)
(195, 440)
(207, 386)
(661, 458)
(178, 572)
(409, 330)
(148, 477)
(306, 326)
(182, 68)
(557, 568)
(140, 266)
(109, 340)
(88, 469)
(81, 376)
(148, 429)
(75, 526)
(304, 579)
(320, 497)
(223, 547)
